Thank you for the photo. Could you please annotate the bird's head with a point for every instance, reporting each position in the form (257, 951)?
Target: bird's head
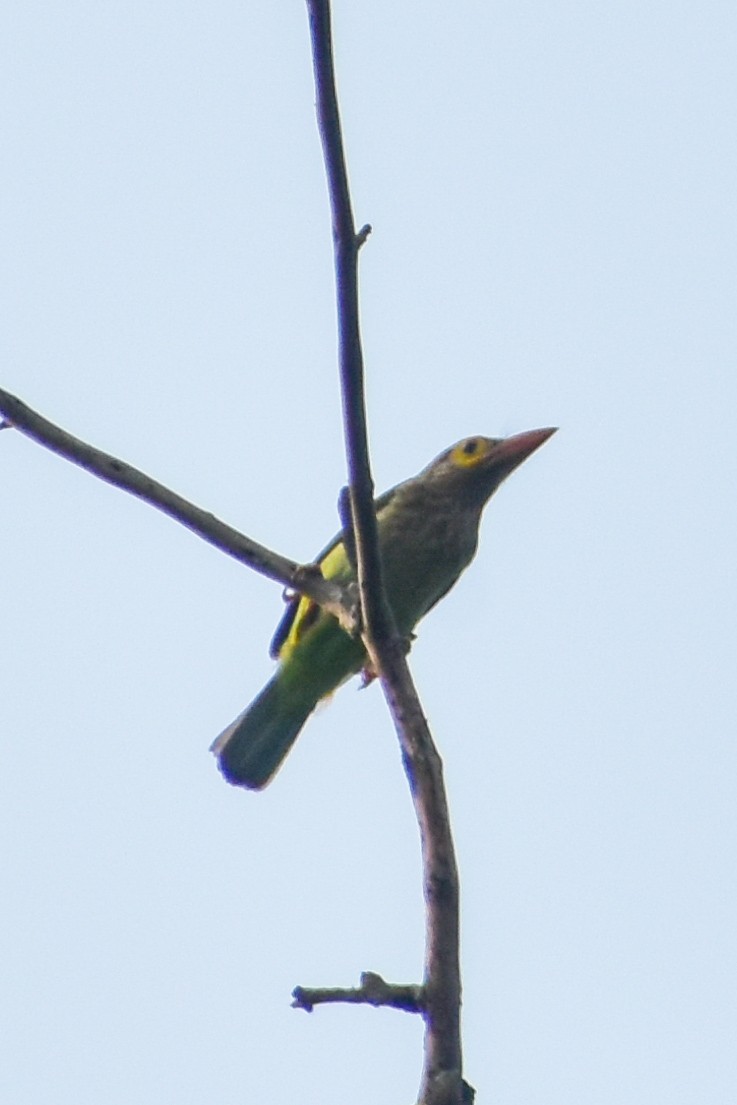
(474, 468)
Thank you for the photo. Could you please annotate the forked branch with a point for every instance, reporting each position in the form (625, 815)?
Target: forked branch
(438, 998)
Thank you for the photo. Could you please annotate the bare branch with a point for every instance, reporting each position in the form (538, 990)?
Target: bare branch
(305, 578)
(442, 978)
(377, 618)
(373, 990)
(441, 1079)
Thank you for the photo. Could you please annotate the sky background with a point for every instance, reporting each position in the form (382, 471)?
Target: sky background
(551, 188)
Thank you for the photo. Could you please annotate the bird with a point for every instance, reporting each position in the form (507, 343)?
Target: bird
(428, 529)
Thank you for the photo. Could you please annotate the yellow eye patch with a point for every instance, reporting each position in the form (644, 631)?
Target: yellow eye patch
(470, 452)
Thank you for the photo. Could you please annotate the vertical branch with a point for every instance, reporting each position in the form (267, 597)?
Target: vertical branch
(346, 244)
(441, 991)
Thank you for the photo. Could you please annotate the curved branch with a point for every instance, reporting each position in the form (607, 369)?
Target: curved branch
(305, 578)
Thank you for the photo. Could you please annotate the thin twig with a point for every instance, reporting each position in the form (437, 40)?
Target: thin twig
(373, 990)
(305, 578)
(441, 1079)
(363, 234)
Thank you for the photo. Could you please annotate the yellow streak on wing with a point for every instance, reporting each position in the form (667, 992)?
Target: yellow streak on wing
(333, 564)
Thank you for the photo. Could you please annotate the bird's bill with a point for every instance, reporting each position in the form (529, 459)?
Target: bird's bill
(510, 452)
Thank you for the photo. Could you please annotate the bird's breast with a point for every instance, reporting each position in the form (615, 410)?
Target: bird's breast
(425, 546)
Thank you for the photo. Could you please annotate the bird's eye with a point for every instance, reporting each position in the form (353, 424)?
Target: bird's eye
(468, 453)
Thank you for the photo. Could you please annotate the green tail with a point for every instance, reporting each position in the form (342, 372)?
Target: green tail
(251, 750)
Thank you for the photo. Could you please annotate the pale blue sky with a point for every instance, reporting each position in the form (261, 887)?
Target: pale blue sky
(552, 194)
